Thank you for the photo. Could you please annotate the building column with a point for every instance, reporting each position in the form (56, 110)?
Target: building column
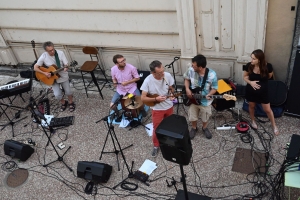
(187, 33)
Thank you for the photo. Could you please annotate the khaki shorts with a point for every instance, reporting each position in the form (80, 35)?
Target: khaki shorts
(205, 112)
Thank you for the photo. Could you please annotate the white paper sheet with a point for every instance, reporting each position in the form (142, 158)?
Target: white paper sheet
(148, 167)
(124, 123)
(150, 126)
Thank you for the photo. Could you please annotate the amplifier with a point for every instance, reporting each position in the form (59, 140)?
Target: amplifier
(294, 148)
(62, 121)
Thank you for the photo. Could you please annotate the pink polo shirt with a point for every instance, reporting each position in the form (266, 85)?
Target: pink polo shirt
(128, 73)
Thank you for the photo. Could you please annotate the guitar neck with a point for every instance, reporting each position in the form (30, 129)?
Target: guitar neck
(72, 64)
(59, 70)
(199, 96)
(36, 57)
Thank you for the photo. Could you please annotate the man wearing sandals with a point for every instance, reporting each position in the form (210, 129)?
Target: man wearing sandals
(57, 58)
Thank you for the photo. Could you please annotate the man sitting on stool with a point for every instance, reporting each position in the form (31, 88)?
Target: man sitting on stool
(124, 77)
(58, 58)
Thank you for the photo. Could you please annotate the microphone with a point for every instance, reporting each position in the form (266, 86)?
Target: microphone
(132, 97)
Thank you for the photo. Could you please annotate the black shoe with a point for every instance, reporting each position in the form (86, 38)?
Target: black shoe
(193, 133)
(207, 133)
(155, 151)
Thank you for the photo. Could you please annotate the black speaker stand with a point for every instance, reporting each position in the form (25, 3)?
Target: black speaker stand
(185, 195)
(114, 139)
(37, 114)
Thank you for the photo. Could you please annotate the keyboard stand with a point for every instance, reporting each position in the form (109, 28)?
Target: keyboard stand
(11, 120)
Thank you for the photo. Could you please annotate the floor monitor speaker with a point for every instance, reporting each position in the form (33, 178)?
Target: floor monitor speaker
(174, 140)
(292, 106)
(293, 152)
(94, 171)
(17, 149)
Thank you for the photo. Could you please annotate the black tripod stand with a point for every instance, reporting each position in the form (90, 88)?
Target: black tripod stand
(36, 114)
(7, 94)
(171, 65)
(114, 139)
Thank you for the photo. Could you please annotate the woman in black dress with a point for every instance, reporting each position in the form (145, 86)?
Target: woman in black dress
(256, 74)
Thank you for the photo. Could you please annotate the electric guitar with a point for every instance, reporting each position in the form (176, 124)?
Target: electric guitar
(53, 70)
(156, 95)
(197, 96)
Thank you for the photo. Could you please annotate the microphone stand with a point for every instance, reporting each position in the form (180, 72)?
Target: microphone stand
(135, 123)
(171, 65)
(36, 114)
(114, 139)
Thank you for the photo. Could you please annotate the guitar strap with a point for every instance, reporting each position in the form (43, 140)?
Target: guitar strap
(57, 60)
(204, 79)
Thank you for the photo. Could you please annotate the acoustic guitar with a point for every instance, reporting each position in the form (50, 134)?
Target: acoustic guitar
(156, 95)
(53, 70)
(197, 96)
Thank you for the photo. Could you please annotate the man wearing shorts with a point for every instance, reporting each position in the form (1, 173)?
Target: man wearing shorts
(193, 79)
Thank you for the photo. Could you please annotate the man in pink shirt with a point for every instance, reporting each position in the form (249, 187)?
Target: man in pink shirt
(124, 77)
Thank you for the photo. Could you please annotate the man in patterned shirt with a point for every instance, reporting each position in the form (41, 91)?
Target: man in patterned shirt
(193, 78)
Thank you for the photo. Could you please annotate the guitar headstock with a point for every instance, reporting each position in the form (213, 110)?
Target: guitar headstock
(73, 63)
(33, 43)
(229, 97)
(177, 94)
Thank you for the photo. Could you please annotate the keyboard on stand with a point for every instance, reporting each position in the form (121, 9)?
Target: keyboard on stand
(62, 121)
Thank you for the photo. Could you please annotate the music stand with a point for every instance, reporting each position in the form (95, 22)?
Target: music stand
(171, 65)
(36, 114)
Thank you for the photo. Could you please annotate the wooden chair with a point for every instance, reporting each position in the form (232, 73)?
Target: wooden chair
(90, 66)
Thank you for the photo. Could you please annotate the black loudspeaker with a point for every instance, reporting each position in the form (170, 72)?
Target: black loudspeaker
(94, 171)
(174, 139)
(292, 107)
(277, 92)
(294, 148)
(18, 150)
(143, 75)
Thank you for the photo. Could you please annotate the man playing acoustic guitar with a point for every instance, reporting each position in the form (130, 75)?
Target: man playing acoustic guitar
(193, 78)
(57, 58)
(159, 83)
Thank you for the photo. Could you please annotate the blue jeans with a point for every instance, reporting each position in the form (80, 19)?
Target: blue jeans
(117, 95)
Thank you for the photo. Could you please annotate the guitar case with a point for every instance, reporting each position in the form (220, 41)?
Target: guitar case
(222, 104)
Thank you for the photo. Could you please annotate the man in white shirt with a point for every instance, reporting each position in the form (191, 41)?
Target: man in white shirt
(160, 83)
(57, 58)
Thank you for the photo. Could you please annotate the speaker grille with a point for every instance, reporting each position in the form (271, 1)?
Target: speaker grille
(97, 172)
(174, 140)
(18, 150)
